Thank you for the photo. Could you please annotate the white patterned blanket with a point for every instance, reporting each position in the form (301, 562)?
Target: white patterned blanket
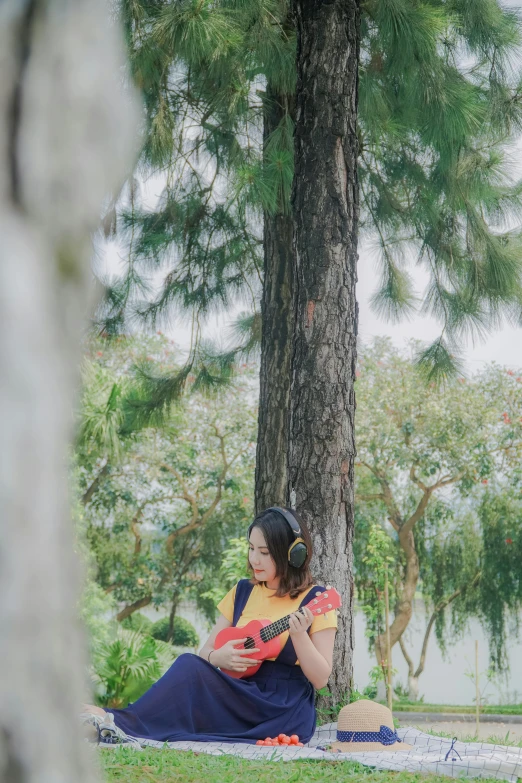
(477, 759)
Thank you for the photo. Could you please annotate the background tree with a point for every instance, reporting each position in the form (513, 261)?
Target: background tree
(160, 517)
(438, 468)
(61, 149)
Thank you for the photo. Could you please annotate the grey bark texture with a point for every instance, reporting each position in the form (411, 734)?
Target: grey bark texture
(277, 318)
(325, 208)
(67, 138)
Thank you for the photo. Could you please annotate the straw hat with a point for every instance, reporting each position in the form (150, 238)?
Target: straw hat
(366, 726)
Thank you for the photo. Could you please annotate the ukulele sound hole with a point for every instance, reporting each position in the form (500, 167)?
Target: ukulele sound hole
(249, 644)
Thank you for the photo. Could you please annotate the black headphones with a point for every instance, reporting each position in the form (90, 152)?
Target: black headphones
(298, 551)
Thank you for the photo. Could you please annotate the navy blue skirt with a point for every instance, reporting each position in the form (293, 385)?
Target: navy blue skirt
(194, 701)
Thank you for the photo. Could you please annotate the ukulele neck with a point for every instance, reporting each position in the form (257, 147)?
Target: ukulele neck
(277, 628)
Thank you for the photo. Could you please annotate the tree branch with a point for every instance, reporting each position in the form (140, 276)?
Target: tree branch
(409, 661)
(90, 491)
(387, 495)
(196, 523)
(131, 608)
(376, 496)
(439, 608)
(427, 493)
(187, 495)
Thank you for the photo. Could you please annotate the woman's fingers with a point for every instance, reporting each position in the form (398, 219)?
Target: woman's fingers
(300, 621)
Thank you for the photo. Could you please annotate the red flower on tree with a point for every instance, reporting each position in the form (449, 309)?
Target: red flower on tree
(509, 540)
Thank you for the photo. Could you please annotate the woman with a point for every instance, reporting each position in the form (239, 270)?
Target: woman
(196, 701)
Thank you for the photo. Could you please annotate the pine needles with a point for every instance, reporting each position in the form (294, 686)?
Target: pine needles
(440, 102)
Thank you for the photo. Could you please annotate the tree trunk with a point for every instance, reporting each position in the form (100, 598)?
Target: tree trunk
(277, 320)
(415, 673)
(172, 616)
(65, 140)
(413, 688)
(325, 207)
(404, 607)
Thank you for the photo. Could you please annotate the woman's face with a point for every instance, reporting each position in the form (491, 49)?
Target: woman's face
(261, 560)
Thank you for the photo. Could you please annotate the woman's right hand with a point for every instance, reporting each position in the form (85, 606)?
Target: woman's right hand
(229, 657)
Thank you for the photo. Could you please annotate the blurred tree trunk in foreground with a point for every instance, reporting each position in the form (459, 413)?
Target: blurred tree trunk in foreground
(67, 136)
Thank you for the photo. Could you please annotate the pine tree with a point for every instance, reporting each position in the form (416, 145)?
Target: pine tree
(440, 100)
(440, 103)
(325, 204)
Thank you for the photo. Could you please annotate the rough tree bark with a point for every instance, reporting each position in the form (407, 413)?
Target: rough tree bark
(67, 137)
(277, 318)
(325, 207)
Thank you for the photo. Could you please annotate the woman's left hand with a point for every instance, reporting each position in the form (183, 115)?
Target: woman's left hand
(300, 622)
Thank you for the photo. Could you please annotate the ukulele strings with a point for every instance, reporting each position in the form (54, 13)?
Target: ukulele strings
(284, 622)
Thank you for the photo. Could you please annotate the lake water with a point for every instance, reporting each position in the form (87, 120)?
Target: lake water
(444, 680)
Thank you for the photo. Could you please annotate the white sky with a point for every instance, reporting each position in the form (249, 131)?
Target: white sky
(503, 346)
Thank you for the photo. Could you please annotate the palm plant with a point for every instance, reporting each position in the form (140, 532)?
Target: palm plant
(126, 667)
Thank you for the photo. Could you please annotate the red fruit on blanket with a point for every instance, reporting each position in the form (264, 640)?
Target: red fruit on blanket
(282, 740)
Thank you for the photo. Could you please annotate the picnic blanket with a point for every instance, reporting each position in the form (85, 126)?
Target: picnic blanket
(429, 754)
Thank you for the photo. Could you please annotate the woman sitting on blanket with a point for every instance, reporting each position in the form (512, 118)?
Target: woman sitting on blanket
(196, 701)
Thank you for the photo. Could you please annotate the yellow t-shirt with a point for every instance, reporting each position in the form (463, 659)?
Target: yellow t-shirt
(262, 604)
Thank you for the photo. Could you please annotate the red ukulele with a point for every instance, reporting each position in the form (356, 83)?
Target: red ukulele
(264, 635)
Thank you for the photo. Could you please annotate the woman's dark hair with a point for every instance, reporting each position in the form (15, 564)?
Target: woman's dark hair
(279, 537)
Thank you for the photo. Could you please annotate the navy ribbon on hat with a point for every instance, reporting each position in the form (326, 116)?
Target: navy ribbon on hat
(385, 736)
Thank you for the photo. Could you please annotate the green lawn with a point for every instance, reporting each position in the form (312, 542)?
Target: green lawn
(503, 709)
(123, 765)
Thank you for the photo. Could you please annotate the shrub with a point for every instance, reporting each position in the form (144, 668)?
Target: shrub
(137, 622)
(184, 632)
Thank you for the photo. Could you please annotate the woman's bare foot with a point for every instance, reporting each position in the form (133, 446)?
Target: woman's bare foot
(93, 710)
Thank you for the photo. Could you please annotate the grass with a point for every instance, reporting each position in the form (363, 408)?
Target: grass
(489, 709)
(496, 739)
(124, 765)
